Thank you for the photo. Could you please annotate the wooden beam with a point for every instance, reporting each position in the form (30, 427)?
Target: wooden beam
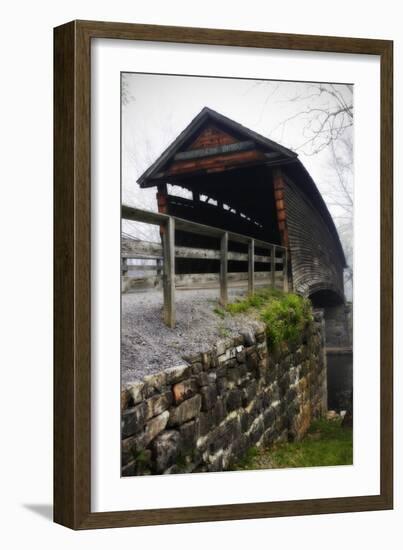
(224, 270)
(146, 216)
(218, 150)
(285, 270)
(251, 267)
(169, 273)
(137, 214)
(153, 251)
(273, 266)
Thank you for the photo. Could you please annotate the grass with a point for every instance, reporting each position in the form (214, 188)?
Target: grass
(285, 315)
(327, 443)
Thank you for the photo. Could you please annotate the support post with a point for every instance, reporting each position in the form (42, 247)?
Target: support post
(273, 265)
(224, 270)
(251, 266)
(169, 273)
(124, 266)
(285, 270)
(158, 267)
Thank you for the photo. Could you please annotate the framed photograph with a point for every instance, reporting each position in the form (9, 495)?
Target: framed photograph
(223, 275)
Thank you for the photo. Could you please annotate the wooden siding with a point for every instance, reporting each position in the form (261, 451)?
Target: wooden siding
(315, 257)
(214, 163)
(211, 137)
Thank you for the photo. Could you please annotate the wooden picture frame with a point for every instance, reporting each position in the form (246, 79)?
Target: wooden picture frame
(72, 269)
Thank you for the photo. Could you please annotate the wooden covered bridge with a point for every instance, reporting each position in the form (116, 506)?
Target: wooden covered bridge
(256, 197)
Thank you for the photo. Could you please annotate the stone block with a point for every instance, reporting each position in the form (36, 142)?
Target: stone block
(249, 393)
(155, 426)
(221, 347)
(154, 383)
(177, 374)
(249, 337)
(225, 435)
(165, 448)
(269, 417)
(233, 400)
(191, 359)
(212, 377)
(133, 419)
(239, 340)
(158, 404)
(209, 397)
(222, 385)
(185, 411)
(136, 391)
(184, 390)
(291, 395)
(197, 368)
(256, 431)
(252, 360)
(203, 379)
(206, 360)
(125, 400)
(219, 411)
(127, 450)
(189, 432)
(205, 423)
(246, 420)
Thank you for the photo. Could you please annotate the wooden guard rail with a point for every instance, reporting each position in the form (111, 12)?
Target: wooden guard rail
(169, 251)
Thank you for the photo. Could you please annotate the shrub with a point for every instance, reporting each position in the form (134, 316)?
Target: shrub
(285, 315)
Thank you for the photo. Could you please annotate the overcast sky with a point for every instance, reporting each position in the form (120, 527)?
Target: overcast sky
(156, 108)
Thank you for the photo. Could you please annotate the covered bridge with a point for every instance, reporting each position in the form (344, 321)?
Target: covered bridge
(240, 181)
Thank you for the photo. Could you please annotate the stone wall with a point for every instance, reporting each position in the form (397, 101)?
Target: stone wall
(205, 414)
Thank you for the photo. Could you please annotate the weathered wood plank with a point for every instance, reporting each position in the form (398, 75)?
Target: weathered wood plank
(145, 216)
(156, 218)
(140, 249)
(169, 273)
(150, 250)
(219, 149)
(149, 280)
(224, 270)
(139, 268)
(251, 267)
(223, 161)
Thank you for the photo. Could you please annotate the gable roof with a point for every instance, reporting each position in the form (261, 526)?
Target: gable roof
(209, 115)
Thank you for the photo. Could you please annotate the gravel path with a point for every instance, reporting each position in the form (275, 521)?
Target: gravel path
(149, 346)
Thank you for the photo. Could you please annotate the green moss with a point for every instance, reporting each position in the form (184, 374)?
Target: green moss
(220, 312)
(327, 443)
(285, 315)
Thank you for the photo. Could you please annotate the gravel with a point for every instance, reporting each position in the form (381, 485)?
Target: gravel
(149, 346)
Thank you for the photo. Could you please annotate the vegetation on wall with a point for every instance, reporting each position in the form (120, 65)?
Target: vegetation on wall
(285, 315)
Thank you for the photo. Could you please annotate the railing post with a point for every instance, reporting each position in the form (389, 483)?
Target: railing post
(169, 272)
(273, 265)
(124, 266)
(224, 270)
(251, 266)
(158, 267)
(285, 270)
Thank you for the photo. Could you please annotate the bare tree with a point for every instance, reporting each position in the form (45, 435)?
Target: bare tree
(326, 111)
(323, 117)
